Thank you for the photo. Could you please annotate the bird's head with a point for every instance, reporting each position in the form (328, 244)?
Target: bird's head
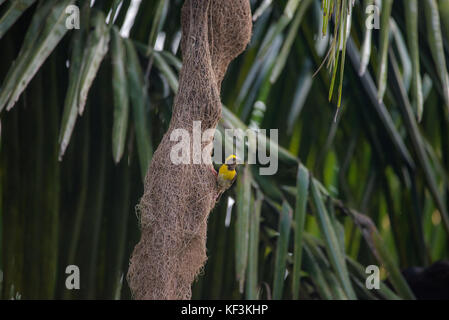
(231, 162)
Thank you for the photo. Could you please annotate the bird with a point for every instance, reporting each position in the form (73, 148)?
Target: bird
(226, 175)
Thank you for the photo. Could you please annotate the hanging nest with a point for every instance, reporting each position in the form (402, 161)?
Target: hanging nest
(178, 197)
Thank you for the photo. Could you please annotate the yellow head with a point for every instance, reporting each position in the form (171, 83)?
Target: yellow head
(231, 162)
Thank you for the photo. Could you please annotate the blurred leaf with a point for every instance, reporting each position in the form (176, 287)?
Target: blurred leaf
(419, 145)
(121, 99)
(253, 249)
(139, 102)
(411, 19)
(283, 55)
(242, 225)
(384, 44)
(31, 35)
(285, 221)
(97, 47)
(316, 274)
(396, 277)
(261, 9)
(385, 117)
(366, 46)
(114, 7)
(14, 11)
(346, 26)
(70, 112)
(436, 45)
(333, 249)
(284, 20)
(158, 21)
(302, 185)
(31, 59)
(162, 65)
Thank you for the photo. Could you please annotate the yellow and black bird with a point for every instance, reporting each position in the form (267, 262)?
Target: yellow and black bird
(226, 175)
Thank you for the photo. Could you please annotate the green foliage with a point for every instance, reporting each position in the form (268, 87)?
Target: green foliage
(369, 186)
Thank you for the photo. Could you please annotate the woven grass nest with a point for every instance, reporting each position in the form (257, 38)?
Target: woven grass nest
(178, 197)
